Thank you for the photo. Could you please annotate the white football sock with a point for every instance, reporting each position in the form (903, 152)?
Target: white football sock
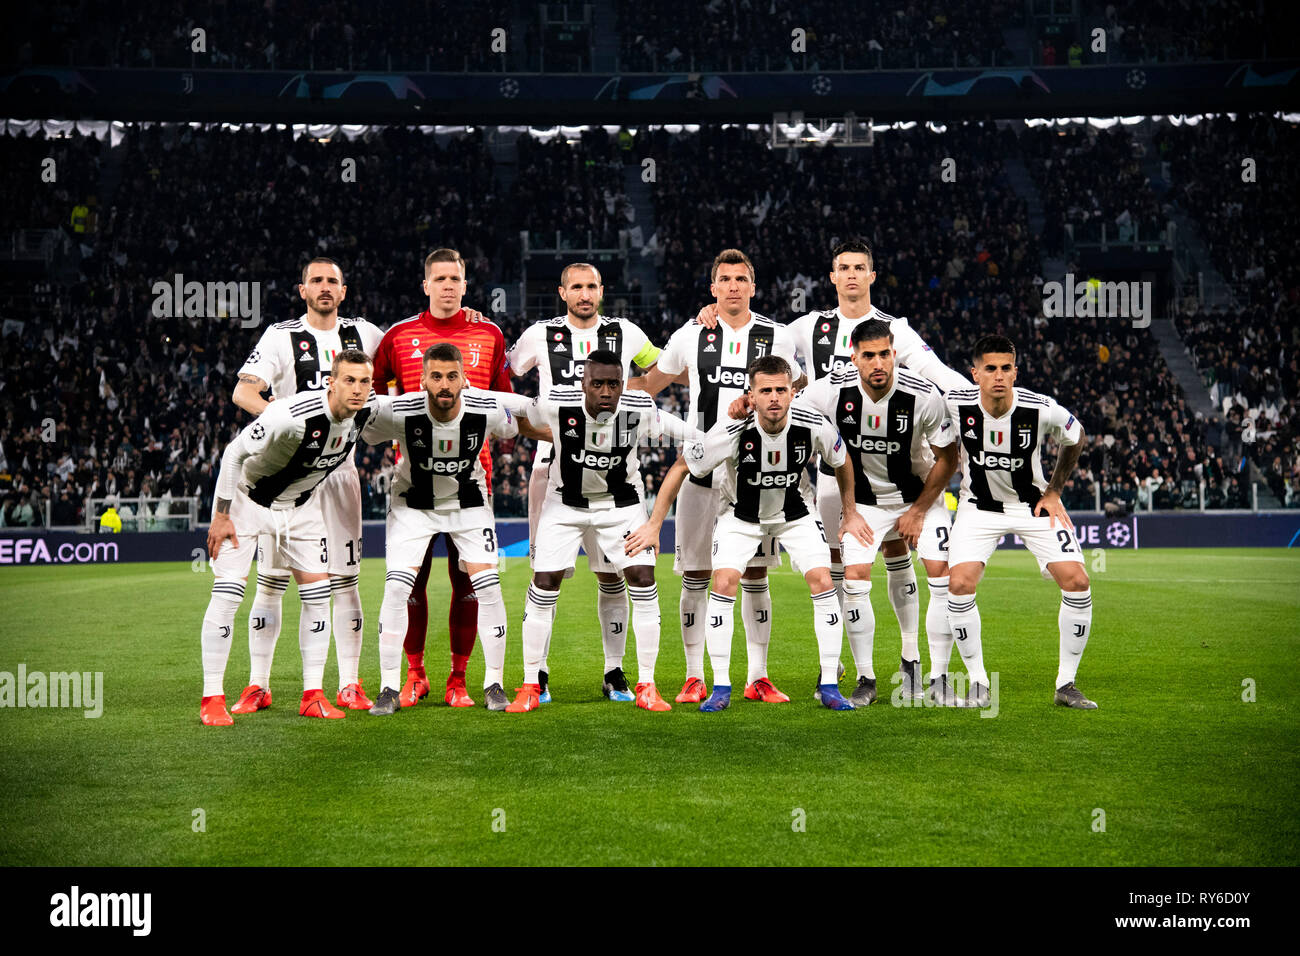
(860, 622)
(756, 616)
(645, 618)
(694, 606)
(393, 620)
(214, 638)
(964, 619)
(837, 581)
(830, 634)
(349, 621)
(1075, 623)
(611, 609)
(491, 625)
(938, 633)
(264, 627)
(900, 578)
(721, 611)
(539, 608)
(314, 633)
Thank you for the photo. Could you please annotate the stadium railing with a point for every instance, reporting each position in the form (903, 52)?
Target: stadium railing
(145, 514)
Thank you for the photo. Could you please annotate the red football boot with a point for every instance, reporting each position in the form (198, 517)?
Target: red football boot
(353, 697)
(316, 704)
(763, 689)
(457, 695)
(647, 698)
(526, 701)
(252, 700)
(416, 687)
(213, 713)
(693, 691)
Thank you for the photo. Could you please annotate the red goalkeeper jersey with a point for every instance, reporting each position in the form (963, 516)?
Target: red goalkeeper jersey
(399, 360)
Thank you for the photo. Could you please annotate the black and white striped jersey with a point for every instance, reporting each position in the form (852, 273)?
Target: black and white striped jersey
(823, 343)
(889, 442)
(1000, 457)
(559, 350)
(284, 453)
(440, 467)
(766, 476)
(596, 463)
(293, 357)
(717, 359)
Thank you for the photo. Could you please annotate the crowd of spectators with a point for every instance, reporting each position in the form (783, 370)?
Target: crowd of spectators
(1185, 31)
(103, 397)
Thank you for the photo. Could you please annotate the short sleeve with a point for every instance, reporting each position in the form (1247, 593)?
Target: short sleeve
(503, 423)
(380, 427)
(702, 457)
(522, 356)
(265, 361)
(1062, 424)
(832, 450)
(674, 358)
(935, 423)
(816, 398)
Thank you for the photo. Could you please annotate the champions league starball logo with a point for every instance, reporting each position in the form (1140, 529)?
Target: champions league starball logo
(1118, 534)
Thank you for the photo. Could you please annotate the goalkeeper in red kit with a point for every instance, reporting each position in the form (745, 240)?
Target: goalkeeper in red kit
(400, 360)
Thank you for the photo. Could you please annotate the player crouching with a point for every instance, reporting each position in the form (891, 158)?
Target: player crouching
(268, 474)
(440, 488)
(595, 489)
(767, 493)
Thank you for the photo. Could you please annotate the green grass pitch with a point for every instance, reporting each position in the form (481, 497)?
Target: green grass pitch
(1185, 771)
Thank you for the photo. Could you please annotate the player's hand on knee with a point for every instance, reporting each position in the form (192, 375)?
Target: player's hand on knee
(856, 525)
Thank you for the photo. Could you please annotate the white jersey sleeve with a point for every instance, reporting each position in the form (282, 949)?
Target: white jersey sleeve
(501, 423)
(934, 422)
(801, 331)
(276, 423)
(371, 335)
(270, 359)
(784, 345)
(524, 354)
(1059, 422)
(679, 352)
(829, 444)
(382, 425)
(920, 358)
(703, 456)
(817, 397)
(638, 345)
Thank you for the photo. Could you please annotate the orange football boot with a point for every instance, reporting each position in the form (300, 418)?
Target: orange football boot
(457, 695)
(693, 691)
(316, 704)
(763, 689)
(213, 713)
(353, 697)
(647, 698)
(416, 687)
(527, 699)
(252, 700)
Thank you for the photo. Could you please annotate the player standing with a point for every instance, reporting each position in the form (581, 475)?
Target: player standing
(767, 494)
(265, 487)
(1003, 492)
(716, 360)
(400, 359)
(291, 358)
(901, 446)
(595, 488)
(440, 487)
(558, 348)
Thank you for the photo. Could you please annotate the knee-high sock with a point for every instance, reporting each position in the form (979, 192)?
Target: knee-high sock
(314, 633)
(539, 607)
(214, 638)
(1075, 623)
(901, 581)
(938, 632)
(264, 626)
(860, 622)
(837, 581)
(462, 615)
(964, 619)
(830, 634)
(349, 621)
(694, 607)
(491, 625)
(394, 626)
(611, 610)
(756, 615)
(417, 615)
(721, 612)
(645, 618)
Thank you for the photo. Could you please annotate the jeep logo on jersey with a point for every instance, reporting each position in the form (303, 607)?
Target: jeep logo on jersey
(592, 460)
(997, 462)
(447, 466)
(1026, 437)
(574, 371)
(774, 479)
(833, 364)
(318, 381)
(774, 457)
(874, 445)
(727, 377)
(995, 438)
(328, 461)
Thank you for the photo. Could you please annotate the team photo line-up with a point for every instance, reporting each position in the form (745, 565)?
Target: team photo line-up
(851, 392)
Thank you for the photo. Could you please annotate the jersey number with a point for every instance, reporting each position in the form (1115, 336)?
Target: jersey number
(352, 556)
(324, 551)
(1063, 536)
(491, 539)
(942, 532)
